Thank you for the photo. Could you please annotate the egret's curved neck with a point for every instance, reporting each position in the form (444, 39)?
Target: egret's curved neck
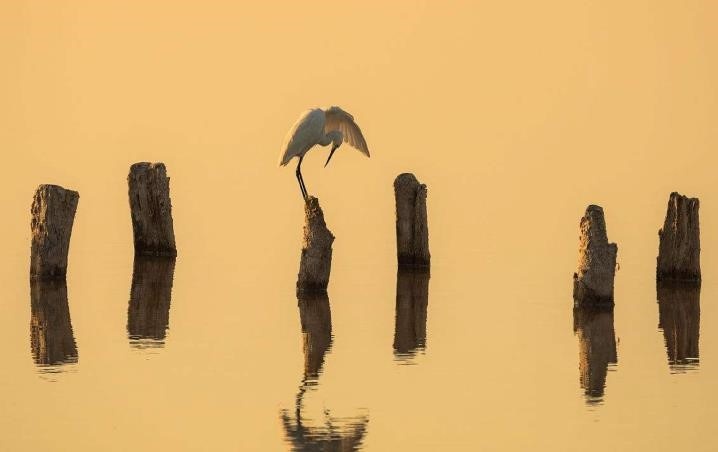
(334, 136)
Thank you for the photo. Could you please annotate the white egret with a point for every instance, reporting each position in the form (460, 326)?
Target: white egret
(317, 126)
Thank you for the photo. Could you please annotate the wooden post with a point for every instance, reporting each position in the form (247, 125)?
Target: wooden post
(316, 260)
(679, 249)
(150, 297)
(53, 213)
(679, 316)
(149, 192)
(597, 348)
(412, 233)
(593, 282)
(412, 299)
(51, 338)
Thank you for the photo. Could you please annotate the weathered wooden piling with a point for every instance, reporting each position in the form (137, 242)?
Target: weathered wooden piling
(679, 249)
(597, 348)
(149, 192)
(316, 259)
(150, 298)
(412, 233)
(53, 214)
(593, 282)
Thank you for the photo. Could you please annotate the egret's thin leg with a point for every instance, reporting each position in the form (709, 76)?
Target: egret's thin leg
(301, 186)
(306, 192)
(300, 179)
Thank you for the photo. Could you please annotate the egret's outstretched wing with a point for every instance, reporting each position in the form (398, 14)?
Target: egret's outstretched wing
(338, 119)
(304, 134)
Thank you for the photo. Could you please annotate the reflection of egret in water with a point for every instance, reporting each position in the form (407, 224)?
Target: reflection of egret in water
(149, 309)
(412, 299)
(597, 348)
(333, 434)
(679, 316)
(51, 338)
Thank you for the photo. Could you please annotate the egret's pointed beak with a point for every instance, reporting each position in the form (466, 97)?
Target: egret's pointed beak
(334, 148)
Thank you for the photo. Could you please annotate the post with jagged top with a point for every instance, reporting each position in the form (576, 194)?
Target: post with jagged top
(412, 233)
(593, 282)
(679, 249)
(149, 193)
(53, 214)
(316, 259)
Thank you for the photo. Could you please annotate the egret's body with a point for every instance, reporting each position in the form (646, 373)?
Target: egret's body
(323, 127)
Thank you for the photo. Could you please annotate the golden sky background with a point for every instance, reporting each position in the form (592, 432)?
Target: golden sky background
(583, 101)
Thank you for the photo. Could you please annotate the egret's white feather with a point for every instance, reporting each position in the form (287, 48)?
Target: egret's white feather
(338, 119)
(314, 126)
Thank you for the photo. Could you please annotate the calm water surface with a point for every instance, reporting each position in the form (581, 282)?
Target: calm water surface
(213, 351)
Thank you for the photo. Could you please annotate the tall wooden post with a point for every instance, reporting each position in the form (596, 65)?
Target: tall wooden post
(149, 192)
(53, 214)
(679, 249)
(593, 282)
(412, 233)
(316, 261)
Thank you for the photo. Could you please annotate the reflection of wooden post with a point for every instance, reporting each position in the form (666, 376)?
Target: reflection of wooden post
(316, 318)
(597, 348)
(346, 433)
(51, 338)
(593, 282)
(316, 261)
(679, 251)
(53, 213)
(149, 191)
(149, 310)
(679, 316)
(412, 299)
(412, 233)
